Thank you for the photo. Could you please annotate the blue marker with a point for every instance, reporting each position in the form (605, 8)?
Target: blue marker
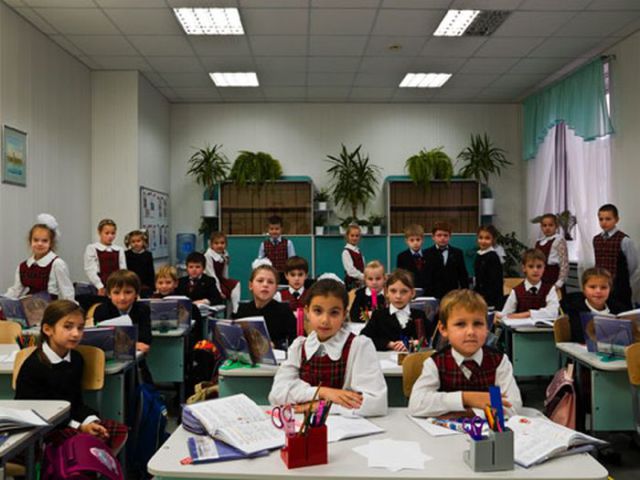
(496, 402)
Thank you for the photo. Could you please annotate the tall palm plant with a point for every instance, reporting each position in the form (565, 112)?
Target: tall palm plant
(482, 159)
(209, 166)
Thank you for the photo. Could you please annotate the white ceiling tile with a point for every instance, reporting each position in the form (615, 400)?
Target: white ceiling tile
(282, 78)
(291, 64)
(344, 3)
(407, 22)
(488, 65)
(452, 46)
(155, 79)
(145, 21)
(228, 64)
(204, 93)
(132, 3)
(36, 20)
(175, 64)
(372, 93)
(274, 3)
(437, 64)
(60, 3)
(505, 94)
(517, 81)
(178, 80)
(241, 94)
(102, 44)
(628, 29)
(533, 24)
(202, 3)
(121, 63)
(541, 66)
(381, 64)
(341, 21)
(78, 21)
(329, 79)
(614, 5)
(333, 64)
(233, 45)
(379, 79)
(168, 93)
(508, 47)
(596, 24)
(278, 45)
(568, 5)
(88, 61)
(262, 21)
(413, 94)
(66, 44)
(161, 45)
(15, 3)
(564, 47)
(454, 94)
(431, 4)
(410, 46)
(469, 81)
(328, 93)
(284, 92)
(337, 45)
(486, 4)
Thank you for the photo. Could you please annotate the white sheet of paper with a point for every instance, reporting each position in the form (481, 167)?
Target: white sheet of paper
(281, 355)
(122, 321)
(388, 364)
(340, 427)
(394, 455)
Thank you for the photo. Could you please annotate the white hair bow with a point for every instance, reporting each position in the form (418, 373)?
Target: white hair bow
(50, 221)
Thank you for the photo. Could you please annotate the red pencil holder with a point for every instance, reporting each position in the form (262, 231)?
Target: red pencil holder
(306, 450)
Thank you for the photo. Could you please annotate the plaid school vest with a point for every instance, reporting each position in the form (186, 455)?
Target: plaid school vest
(108, 262)
(278, 254)
(452, 379)
(551, 272)
(609, 254)
(320, 368)
(36, 277)
(294, 303)
(528, 301)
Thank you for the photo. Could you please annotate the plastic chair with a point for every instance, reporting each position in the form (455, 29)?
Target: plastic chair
(562, 329)
(352, 296)
(412, 369)
(632, 353)
(9, 331)
(89, 315)
(509, 283)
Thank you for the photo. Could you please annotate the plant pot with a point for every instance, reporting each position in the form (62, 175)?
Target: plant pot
(319, 230)
(343, 230)
(487, 206)
(364, 229)
(209, 208)
(322, 206)
(377, 229)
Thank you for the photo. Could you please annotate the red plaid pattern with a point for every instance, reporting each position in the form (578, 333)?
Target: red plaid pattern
(551, 272)
(358, 263)
(109, 262)
(294, 303)
(609, 251)
(278, 254)
(320, 368)
(226, 284)
(118, 434)
(35, 277)
(528, 301)
(452, 379)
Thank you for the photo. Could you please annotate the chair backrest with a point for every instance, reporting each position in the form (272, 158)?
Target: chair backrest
(509, 283)
(412, 369)
(632, 352)
(562, 329)
(17, 363)
(352, 296)
(9, 331)
(89, 315)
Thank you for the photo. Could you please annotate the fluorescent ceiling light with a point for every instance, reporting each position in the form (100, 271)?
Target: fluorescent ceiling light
(235, 79)
(210, 21)
(424, 80)
(455, 22)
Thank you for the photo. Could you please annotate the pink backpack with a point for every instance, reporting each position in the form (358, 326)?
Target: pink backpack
(560, 401)
(80, 457)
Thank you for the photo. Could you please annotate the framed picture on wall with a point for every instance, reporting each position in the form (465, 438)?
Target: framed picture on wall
(154, 218)
(14, 156)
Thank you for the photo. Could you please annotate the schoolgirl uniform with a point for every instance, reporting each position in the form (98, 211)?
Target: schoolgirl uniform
(100, 261)
(218, 267)
(392, 324)
(48, 274)
(142, 264)
(488, 277)
(353, 264)
(556, 269)
(344, 361)
(362, 306)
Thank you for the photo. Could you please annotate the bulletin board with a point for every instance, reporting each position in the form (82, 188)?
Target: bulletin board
(154, 218)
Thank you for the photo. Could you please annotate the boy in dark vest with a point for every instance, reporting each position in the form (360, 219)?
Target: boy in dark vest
(277, 248)
(296, 271)
(615, 252)
(458, 378)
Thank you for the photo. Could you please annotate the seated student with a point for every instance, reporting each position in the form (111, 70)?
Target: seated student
(362, 306)
(166, 284)
(444, 264)
(412, 259)
(596, 287)
(276, 248)
(398, 327)
(197, 285)
(295, 271)
(532, 298)
(279, 318)
(54, 372)
(343, 365)
(458, 377)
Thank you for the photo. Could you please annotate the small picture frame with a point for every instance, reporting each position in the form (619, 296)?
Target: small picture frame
(14, 156)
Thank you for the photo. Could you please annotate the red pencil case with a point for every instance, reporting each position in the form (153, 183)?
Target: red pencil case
(306, 450)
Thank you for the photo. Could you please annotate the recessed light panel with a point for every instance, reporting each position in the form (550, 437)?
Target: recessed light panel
(424, 80)
(210, 21)
(235, 79)
(455, 23)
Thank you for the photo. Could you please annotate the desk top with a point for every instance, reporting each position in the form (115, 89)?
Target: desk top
(174, 332)
(345, 464)
(580, 353)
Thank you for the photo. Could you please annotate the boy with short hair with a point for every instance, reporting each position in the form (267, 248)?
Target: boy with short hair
(277, 248)
(458, 377)
(444, 264)
(412, 259)
(197, 285)
(615, 252)
(166, 281)
(296, 271)
(532, 298)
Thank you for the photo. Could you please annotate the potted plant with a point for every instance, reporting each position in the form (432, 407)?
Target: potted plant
(364, 226)
(210, 167)
(322, 197)
(319, 220)
(345, 222)
(354, 180)
(376, 223)
(513, 250)
(255, 167)
(480, 160)
(427, 165)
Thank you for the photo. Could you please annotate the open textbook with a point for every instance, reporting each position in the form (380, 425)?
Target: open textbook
(540, 322)
(609, 333)
(27, 311)
(341, 427)
(19, 419)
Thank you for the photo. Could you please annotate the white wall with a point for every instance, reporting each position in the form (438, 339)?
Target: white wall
(47, 93)
(301, 135)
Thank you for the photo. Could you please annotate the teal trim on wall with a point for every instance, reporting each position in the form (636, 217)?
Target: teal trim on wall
(329, 252)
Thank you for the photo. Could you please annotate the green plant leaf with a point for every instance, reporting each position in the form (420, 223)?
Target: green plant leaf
(428, 165)
(209, 166)
(255, 167)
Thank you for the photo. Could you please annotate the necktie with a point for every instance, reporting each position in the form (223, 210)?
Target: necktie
(192, 285)
(605, 235)
(533, 290)
(471, 365)
(296, 295)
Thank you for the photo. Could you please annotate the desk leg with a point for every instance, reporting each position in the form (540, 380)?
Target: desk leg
(31, 462)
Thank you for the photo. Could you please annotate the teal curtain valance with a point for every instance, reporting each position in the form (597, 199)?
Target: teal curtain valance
(578, 100)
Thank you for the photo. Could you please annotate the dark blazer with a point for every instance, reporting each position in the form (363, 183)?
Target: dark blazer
(440, 278)
(140, 315)
(489, 282)
(142, 265)
(384, 328)
(406, 261)
(279, 318)
(362, 302)
(205, 288)
(574, 304)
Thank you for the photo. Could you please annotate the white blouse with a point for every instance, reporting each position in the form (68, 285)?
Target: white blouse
(92, 264)
(347, 262)
(60, 283)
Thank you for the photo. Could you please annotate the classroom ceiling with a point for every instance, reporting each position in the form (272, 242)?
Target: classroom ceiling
(336, 50)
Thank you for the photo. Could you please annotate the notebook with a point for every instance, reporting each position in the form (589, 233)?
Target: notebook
(118, 343)
(204, 449)
(12, 419)
(244, 340)
(28, 310)
(169, 314)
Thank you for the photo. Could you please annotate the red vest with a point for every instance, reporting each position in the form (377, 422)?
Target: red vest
(108, 263)
(358, 263)
(320, 368)
(36, 277)
(294, 303)
(551, 272)
(609, 251)
(278, 254)
(528, 301)
(452, 379)
(226, 284)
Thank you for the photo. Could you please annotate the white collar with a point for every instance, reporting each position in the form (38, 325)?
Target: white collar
(367, 292)
(528, 285)
(459, 358)
(403, 315)
(487, 250)
(595, 310)
(406, 309)
(415, 252)
(53, 357)
(348, 246)
(544, 240)
(293, 290)
(216, 256)
(108, 248)
(611, 232)
(275, 240)
(137, 253)
(332, 346)
(43, 262)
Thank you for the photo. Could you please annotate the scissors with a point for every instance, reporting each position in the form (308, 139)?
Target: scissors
(283, 418)
(473, 427)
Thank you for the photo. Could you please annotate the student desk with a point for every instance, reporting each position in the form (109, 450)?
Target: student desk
(532, 351)
(256, 382)
(53, 411)
(168, 355)
(611, 403)
(344, 464)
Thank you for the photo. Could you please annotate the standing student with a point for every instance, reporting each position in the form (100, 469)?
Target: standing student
(458, 378)
(140, 260)
(398, 327)
(554, 247)
(276, 248)
(412, 259)
(445, 266)
(363, 301)
(296, 272)
(103, 258)
(615, 252)
(341, 367)
(488, 268)
(197, 285)
(54, 372)
(43, 271)
(352, 258)
(218, 267)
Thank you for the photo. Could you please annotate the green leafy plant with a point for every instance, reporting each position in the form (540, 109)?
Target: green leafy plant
(255, 167)
(346, 221)
(428, 165)
(207, 225)
(320, 220)
(375, 220)
(354, 179)
(513, 249)
(322, 195)
(209, 166)
(363, 222)
(481, 159)
(566, 220)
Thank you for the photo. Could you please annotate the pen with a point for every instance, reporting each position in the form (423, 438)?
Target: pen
(450, 424)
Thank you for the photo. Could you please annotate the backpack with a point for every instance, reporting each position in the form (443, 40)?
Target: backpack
(560, 401)
(80, 457)
(149, 426)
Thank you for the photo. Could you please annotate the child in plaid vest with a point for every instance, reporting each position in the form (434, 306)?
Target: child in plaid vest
(458, 377)
(343, 366)
(104, 257)
(295, 271)
(554, 247)
(352, 258)
(277, 248)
